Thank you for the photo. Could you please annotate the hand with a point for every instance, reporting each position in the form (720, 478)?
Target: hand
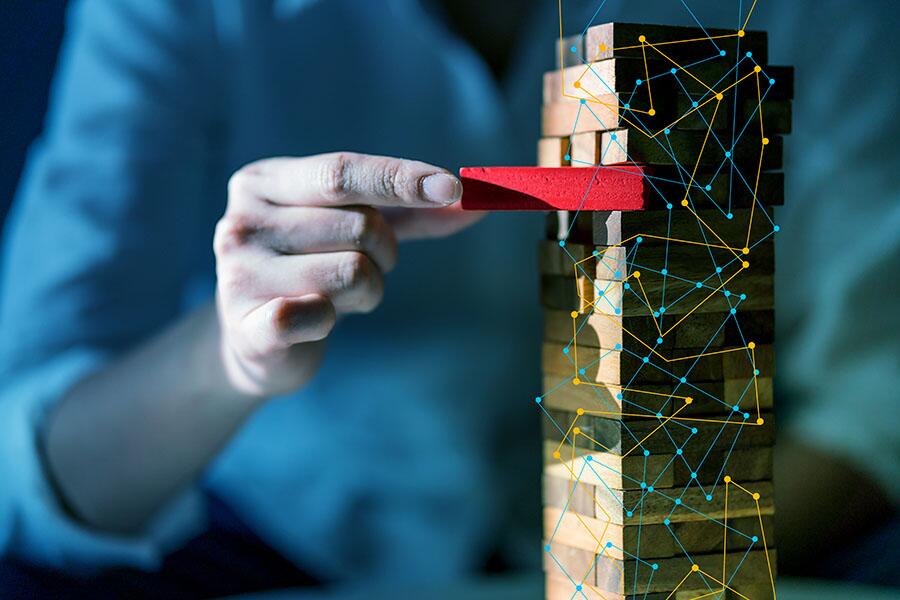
(301, 242)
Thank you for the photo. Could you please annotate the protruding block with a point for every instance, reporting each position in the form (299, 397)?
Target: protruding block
(622, 188)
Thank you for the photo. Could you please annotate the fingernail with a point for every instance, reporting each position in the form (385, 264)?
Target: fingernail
(442, 188)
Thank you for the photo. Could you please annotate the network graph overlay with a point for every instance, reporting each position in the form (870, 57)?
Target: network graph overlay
(658, 356)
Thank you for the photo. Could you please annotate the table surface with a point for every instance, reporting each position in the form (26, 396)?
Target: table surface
(531, 588)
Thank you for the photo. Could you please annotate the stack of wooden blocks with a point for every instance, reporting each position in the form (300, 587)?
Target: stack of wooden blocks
(658, 332)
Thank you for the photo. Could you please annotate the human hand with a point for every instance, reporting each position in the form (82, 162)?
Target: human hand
(302, 241)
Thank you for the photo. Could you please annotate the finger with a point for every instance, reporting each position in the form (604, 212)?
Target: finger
(284, 322)
(310, 230)
(350, 280)
(432, 223)
(345, 178)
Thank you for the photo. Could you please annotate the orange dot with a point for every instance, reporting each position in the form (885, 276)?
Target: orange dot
(579, 412)
(741, 33)
(684, 202)
(745, 264)
(756, 496)
(573, 314)
(576, 430)
(602, 47)
(745, 250)
(751, 345)
(760, 421)
(765, 141)
(637, 274)
(576, 381)
(688, 400)
(757, 69)
(727, 479)
(695, 568)
(556, 454)
(577, 84)
(719, 96)
(651, 112)
(642, 38)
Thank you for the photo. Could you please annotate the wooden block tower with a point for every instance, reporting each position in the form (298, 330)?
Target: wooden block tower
(657, 291)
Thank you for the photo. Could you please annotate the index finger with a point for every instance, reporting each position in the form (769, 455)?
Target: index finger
(345, 178)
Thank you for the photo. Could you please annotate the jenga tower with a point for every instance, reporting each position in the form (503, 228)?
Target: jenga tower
(658, 352)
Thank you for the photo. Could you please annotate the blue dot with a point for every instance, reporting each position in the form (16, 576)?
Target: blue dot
(567, 157)
(583, 101)
(679, 452)
(646, 359)
(629, 514)
(708, 187)
(581, 371)
(669, 205)
(618, 396)
(665, 271)
(640, 239)
(643, 484)
(565, 350)
(677, 500)
(736, 408)
(727, 154)
(659, 415)
(600, 293)
(683, 380)
(756, 371)
(727, 293)
(743, 296)
(659, 340)
(746, 415)
(654, 566)
(618, 273)
(667, 522)
(776, 228)
(537, 399)
(609, 544)
(733, 311)
(547, 548)
(613, 136)
(708, 498)
(627, 105)
(754, 539)
(618, 346)
(699, 284)
(673, 71)
(562, 243)
(655, 313)
(693, 430)
(667, 131)
(618, 311)
(694, 104)
(588, 458)
(595, 253)
(749, 54)
(650, 489)
(729, 216)
(578, 588)
(771, 82)
(718, 269)
(662, 309)
(638, 82)
(627, 286)
(721, 53)
(573, 49)
(693, 476)
(646, 453)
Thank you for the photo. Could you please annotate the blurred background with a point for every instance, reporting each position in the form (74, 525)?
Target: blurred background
(30, 35)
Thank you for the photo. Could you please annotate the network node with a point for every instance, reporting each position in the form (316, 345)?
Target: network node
(574, 314)
(727, 479)
(576, 381)
(756, 496)
(579, 412)
(651, 112)
(556, 454)
(688, 400)
(719, 96)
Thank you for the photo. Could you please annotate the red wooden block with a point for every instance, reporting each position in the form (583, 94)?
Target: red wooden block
(616, 187)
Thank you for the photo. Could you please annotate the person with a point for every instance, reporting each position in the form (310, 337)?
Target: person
(211, 207)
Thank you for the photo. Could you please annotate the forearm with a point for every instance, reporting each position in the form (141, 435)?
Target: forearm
(125, 440)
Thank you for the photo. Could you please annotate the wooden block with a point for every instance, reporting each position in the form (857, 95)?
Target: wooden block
(569, 51)
(659, 505)
(636, 435)
(675, 262)
(536, 188)
(776, 115)
(616, 298)
(622, 40)
(553, 152)
(686, 148)
(592, 81)
(708, 78)
(560, 588)
(656, 540)
(611, 228)
(617, 472)
(560, 119)
(647, 400)
(627, 369)
(714, 331)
